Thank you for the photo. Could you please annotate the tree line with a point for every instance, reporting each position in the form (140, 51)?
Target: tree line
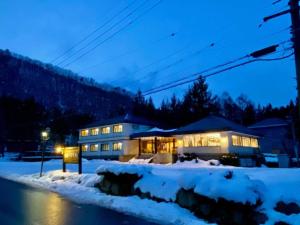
(198, 102)
(21, 123)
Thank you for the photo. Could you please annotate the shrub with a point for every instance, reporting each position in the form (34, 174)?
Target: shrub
(230, 160)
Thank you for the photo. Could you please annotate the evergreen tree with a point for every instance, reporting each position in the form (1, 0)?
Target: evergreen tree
(139, 104)
(197, 101)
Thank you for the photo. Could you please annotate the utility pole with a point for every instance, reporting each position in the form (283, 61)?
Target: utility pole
(295, 30)
(295, 18)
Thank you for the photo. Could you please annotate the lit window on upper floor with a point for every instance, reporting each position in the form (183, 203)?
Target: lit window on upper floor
(105, 130)
(118, 128)
(84, 133)
(94, 131)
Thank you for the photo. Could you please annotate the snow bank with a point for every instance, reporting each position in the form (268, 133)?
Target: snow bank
(118, 168)
(214, 184)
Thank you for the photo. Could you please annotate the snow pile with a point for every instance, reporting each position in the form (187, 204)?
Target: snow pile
(140, 161)
(198, 163)
(118, 168)
(165, 183)
(220, 184)
(159, 186)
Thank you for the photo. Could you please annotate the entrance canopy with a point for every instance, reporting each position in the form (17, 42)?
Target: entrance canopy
(155, 141)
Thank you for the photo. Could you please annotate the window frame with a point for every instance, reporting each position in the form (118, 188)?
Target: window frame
(118, 130)
(104, 128)
(96, 149)
(94, 129)
(85, 149)
(118, 144)
(244, 141)
(84, 130)
(104, 144)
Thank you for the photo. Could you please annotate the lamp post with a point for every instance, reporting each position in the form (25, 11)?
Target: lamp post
(44, 137)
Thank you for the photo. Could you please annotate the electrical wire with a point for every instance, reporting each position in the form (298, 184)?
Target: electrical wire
(175, 84)
(111, 59)
(93, 32)
(117, 32)
(116, 24)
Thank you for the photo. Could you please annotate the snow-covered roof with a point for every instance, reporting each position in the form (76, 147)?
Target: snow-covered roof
(271, 122)
(127, 118)
(212, 124)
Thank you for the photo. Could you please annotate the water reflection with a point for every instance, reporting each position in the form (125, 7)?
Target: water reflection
(44, 208)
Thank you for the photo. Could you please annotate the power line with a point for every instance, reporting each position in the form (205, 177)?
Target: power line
(153, 63)
(215, 73)
(118, 31)
(215, 67)
(93, 32)
(166, 67)
(184, 81)
(203, 71)
(129, 52)
(105, 32)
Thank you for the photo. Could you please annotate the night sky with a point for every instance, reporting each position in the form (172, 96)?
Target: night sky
(145, 54)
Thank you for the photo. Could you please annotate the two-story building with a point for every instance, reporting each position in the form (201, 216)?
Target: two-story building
(129, 136)
(110, 138)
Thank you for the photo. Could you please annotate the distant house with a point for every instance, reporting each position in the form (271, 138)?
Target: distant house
(130, 136)
(276, 136)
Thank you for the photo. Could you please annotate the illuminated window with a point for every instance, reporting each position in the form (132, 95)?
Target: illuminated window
(202, 140)
(104, 147)
(117, 146)
(84, 148)
(84, 133)
(95, 131)
(244, 141)
(105, 130)
(94, 147)
(254, 142)
(118, 128)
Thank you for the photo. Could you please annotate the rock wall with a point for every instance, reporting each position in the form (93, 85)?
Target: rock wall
(220, 211)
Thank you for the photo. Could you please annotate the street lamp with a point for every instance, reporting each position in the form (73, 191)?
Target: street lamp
(44, 137)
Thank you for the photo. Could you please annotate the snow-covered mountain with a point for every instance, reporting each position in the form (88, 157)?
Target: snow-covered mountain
(22, 77)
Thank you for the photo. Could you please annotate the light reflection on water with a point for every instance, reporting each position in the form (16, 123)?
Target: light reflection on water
(44, 208)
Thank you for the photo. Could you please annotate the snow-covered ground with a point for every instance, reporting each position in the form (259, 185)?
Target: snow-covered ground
(272, 185)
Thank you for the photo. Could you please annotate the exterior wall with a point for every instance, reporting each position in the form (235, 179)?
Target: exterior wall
(163, 158)
(129, 147)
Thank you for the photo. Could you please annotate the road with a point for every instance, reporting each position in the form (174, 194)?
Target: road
(24, 205)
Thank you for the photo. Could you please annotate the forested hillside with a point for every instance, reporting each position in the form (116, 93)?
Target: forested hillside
(53, 87)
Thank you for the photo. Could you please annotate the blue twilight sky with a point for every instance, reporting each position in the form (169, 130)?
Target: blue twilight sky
(145, 55)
